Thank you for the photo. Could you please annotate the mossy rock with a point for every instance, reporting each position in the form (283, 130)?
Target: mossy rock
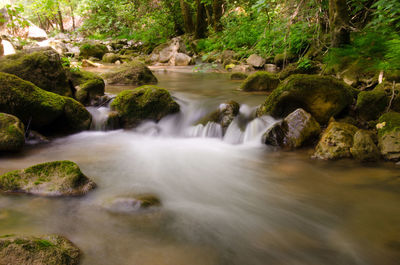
(392, 92)
(132, 204)
(29, 250)
(143, 103)
(371, 104)
(42, 67)
(336, 141)
(321, 96)
(39, 108)
(88, 50)
(89, 86)
(238, 76)
(389, 135)
(260, 81)
(224, 115)
(12, 133)
(134, 73)
(364, 148)
(59, 178)
(111, 57)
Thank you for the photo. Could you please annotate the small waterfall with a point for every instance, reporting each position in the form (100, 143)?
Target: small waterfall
(210, 130)
(8, 47)
(99, 117)
(256, 128)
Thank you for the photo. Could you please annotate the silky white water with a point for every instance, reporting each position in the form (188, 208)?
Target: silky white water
(226, 199)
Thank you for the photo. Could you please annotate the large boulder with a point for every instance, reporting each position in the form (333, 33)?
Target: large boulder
(336, 141)
(134, 73)
(256, 61)
(40, 109)
(180, 59)
(321, 96)
(295, 131)
(260, 81)
(168, 52)
(364, 148)
(29, 250)
(41, 66)
(224, 115)
(389, 135)
(12, 133)
(95, 50)
(89, 86)
(143, 103)
(58, 178)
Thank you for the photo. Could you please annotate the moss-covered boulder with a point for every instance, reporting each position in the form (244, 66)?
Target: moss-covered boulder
(143, 103)
(29, 250)
(294, 69)
(238, 76)
(284, 58)
(41, 66)
(296, 130)
(59, 178)
(89, 86)
(371, 104)
(111, 57)
(41, 109)
(260, 81)
(321, 96)
(392, 91)
(364, 148)
(336, 141)
(134, 73)
(389, 135)
(88, 50)
(224, 115)
(12, 133)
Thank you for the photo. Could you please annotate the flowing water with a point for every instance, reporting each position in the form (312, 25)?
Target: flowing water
(225, 199)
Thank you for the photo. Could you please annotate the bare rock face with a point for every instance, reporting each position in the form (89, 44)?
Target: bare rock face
(295, 131)
(171, 53)
(49, 250)
(256, 61)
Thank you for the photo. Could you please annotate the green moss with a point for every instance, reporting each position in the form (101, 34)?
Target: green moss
(145, 102)
(88, 50)
(321, 96)
(43, 68)
(52, 178)
(12, 133)
(371, 104)
(391, 122)
(260, 81)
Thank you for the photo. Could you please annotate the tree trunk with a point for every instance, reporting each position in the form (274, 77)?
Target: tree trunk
(201, 22)
(217, 14)
(339, 22)
(178, 27)
(60, 18)
(187, 17)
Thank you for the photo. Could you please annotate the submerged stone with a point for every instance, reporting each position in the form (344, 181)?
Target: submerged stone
(46, 250)
(260, 81)
(134, 73)
(58, 178)
(143, 103)
(336, 141)
(12, 133)
(321, 96)
(132, 204)
(41, 66)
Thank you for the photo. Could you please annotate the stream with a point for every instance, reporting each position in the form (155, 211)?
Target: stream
(225, 199)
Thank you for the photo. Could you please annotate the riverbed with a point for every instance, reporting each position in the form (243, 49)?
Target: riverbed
(225, 200)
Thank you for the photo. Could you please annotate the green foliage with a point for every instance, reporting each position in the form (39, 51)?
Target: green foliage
(304, 64)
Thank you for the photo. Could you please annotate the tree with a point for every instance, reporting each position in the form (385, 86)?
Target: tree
(217, 14)
(187, 16)
(339, 22)
(201, 22)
